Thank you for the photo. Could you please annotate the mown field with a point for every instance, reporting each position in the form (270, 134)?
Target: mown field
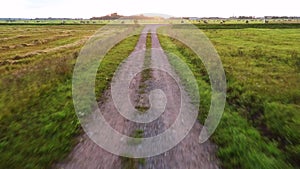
(38, 124)
(259, 128)
(260, 125)
(37, 119)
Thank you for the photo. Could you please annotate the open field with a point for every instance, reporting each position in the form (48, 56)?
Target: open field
(38, 121)
(53, 22)
(203, 21)
(262, 67)
(259, 128)
(36, 99)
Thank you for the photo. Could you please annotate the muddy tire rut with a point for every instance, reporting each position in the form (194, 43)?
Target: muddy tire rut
(188, 154)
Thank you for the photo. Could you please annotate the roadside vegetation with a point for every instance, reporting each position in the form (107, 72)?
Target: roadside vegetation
(142, 106)
(38, 124)
(259, 128)
(263, 82)
(260, 125)
(142, 100)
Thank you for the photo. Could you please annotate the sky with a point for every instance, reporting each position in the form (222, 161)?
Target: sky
(192, 8)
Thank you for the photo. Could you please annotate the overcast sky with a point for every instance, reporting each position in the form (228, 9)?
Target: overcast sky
(199, 8)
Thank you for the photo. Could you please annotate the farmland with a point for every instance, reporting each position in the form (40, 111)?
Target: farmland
(38, 121)
(259, 128)
(262, 96)
(262, 67)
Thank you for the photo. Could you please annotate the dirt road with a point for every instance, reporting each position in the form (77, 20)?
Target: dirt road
(188, 154)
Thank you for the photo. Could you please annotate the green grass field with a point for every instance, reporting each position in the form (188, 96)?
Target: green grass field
(259, 128)
(38, 124)
(262, 67)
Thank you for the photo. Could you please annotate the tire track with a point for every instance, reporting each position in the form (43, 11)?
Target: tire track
(187, 154)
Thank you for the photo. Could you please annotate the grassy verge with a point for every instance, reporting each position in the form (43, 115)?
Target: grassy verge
(263, 82)
(111, 62)
(240, 144)
(145, 75)
(38, 123)
(133, 163)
